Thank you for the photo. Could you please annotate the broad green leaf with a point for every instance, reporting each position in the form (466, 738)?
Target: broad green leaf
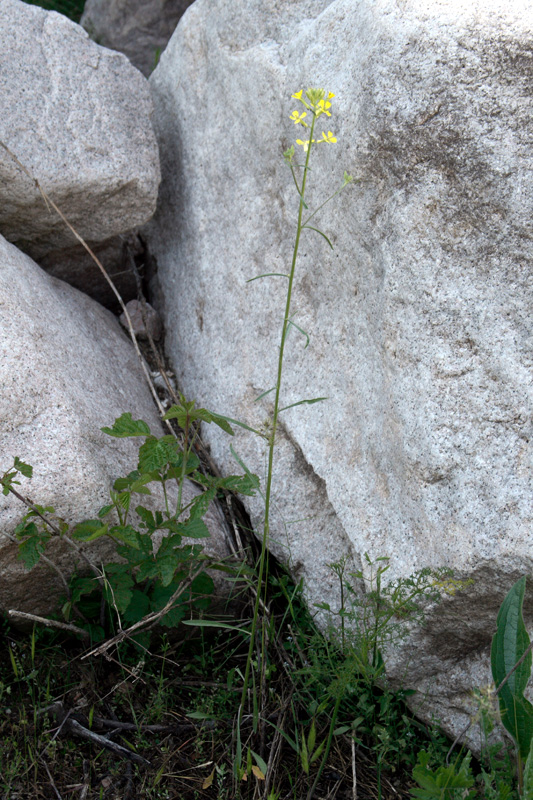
(179, 413)
(104, 511)
(509, 644)
(203, 584)
(242, 484)
(25, 528)
(166, 567)
(138, 607)
(89, 530)
(24, 469)
(155, 454)
(31, 550)
(82, 586)
(200, 504)
(117, 587)
(127, 535)
(125, 426)
(160, 597)
(195, 529)
(438, 784)
(147, 517)
(527, 791)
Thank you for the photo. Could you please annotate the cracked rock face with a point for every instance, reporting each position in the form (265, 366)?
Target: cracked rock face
(79, 122)
(420, 319)
(138, 28)
(66, 370)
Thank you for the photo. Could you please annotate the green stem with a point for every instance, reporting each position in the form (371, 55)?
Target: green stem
(266, 523)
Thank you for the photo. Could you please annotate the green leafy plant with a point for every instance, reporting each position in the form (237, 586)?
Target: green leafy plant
(153, 583)
(444, 783)
(511, 670)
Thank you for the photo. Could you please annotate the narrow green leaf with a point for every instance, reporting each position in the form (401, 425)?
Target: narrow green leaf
(125, 426)
(310, 227)
(242, 425)
(264, 394)
(208, 623)
(268, 275)
(304, 333)
(304, 402)
(304, 757)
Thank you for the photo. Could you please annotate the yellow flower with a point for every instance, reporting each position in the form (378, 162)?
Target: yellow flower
(322, 108)
(304, 144)
(298, 95)
(328, 138)
(298, 118)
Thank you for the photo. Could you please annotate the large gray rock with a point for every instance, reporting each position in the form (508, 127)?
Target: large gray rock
(66, 370)
(77, 116)
(138, 28)
(420, 320)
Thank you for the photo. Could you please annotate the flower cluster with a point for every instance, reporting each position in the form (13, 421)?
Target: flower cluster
(317, 103)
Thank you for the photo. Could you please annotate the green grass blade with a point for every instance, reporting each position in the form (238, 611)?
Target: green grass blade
(269, 275)
(310, 228)
(303, 402)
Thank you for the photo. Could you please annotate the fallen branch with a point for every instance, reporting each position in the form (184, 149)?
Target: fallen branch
(52, 623)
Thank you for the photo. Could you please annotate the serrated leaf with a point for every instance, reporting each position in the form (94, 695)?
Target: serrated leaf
(241, 484)
(147, 517)
(82, 586)
(179, 413)
(89, 530)
(138, 607)
(195, 529)
(25, 528)
(166, 567)
(31, 550)
(200, 504)
(117, 588)
(127, 535)
(160, 596)
(23, 468)
(104, 511)
(125, 426)
(155, 453)
(203, 584)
